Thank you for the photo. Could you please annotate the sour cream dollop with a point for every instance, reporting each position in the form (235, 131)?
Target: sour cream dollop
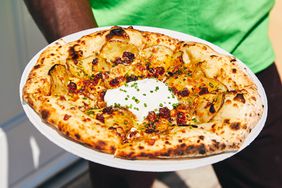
(141, 97)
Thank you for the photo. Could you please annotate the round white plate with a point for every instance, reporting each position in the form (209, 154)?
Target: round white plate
(138, 165)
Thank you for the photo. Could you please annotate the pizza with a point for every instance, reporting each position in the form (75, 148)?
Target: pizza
(144, 95)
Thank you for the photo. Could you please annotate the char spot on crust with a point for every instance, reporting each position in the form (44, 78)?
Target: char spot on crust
(118, 31)
(77, 136)
(228, 101)
(201, 137)
(36, 66)
(215, 143)
(227, 121)
(113, 149)
(45, 114)
(235, 125)
(202, 149)
(100, 145)
(141, 147)
(240, 98)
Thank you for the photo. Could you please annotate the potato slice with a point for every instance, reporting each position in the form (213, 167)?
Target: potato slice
(115, 49)
(206, 106)
(157, 56)
(59, 80)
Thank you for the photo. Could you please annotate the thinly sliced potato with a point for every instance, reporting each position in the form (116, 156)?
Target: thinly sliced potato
(207, 105)
(59, 80)
(115, 49)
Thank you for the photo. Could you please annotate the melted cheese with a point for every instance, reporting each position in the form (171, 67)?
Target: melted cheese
(141, 97)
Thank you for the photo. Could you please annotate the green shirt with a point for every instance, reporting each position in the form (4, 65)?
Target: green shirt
(238, 26)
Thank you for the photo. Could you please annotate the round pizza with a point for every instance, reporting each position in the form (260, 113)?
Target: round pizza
(142, 95)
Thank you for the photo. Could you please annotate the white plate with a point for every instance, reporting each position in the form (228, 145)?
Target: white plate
(138, 165)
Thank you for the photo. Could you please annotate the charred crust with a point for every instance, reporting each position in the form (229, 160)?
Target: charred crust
(73, 54)
(95, 61)
(117, 31)
(215, 144)
(201, 137)
(77, 136)
(202, 149)
(45, 114)
(36, 66)
(235, 125)
(52, 68)
(212, 109)
(100, 145)
(140, 147)
(240, 98)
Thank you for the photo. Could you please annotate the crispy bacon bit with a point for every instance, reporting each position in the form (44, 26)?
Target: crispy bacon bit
(100, 117)
(184, 92)
(72, 87)
(118, 61)
(181, 119)
(62, 98)
(152, 116)
(66, 117)
(95, 61)
(102, 94)
(114, 82)
(108, 110)
(212, 109)
(131, 78)
(156, 71)
(240, 97)
(150, 130)
(164, 113)
(159, 71)
(234, 70)
(128, 57)
(203, 90)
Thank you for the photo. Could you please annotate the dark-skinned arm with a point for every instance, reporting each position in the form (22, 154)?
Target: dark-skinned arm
(58, 18)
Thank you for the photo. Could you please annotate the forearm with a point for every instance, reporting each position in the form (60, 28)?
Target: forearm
(57, 18)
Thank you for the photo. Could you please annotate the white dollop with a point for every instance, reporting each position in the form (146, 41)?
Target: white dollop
(141, 97)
